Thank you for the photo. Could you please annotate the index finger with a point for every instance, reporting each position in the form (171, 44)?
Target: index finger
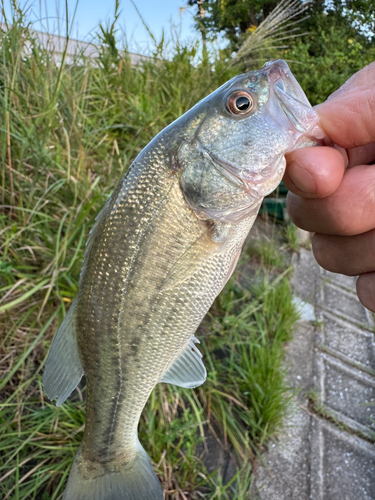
(348, 116)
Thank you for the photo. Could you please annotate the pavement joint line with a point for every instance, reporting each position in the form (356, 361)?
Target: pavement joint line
(345, 436)
(337, 298)
(322, 432)
(351, 425)
(370, 318)
(350, 293)
(335, 284)
(317, 460)
(340, 315)
(346, 323)
(327, 414)
(327, 280)
(319, 375)
(345, 359)
(344, 367)
(335, 280)
(340, 279)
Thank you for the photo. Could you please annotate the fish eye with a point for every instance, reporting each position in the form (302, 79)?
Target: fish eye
(239, 102)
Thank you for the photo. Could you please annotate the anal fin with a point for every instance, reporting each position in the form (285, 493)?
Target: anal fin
(63, 369)
(188, 369)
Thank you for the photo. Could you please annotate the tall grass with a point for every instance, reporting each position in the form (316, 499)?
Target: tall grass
(67, 134)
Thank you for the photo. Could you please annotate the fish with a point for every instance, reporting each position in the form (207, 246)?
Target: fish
(160, 251)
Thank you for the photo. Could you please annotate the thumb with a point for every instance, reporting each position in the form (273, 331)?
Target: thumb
(348, 116)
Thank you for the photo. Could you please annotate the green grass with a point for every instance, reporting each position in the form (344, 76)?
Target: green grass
(268, 252)
(291, 237)
(244, 397)
(67, 134)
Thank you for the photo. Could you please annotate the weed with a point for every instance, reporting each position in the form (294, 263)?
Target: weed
(267, 253)
(291, 237)
(67, 135)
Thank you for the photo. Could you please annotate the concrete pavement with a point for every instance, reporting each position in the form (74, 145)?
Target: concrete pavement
(326, 451)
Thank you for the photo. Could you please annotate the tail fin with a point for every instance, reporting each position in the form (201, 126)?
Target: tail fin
(134, 481)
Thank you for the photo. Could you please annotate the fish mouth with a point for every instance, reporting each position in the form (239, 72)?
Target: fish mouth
(302, 117)
(290, 96)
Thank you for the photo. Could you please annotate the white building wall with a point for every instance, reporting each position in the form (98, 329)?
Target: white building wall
(76, 48)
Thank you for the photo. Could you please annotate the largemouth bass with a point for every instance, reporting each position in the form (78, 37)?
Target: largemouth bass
(161, 250)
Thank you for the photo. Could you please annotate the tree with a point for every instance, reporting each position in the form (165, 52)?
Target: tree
(339, 40)
(336, 38)
(233, 17)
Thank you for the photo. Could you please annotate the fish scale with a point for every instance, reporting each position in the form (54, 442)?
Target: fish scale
(164, 321)
(160, 251)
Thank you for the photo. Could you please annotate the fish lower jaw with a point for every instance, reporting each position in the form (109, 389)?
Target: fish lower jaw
(268, 183)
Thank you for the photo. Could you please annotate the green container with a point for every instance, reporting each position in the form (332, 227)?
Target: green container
(274, 204)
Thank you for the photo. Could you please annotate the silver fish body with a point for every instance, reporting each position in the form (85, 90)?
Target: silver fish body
(159, 253)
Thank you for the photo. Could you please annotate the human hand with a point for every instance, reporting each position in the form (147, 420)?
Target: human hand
(333, 189)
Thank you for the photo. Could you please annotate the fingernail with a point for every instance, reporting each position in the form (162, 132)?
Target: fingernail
(343, 153)
(301, 178)
(366, 290)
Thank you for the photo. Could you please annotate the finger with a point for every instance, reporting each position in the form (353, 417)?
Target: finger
(366, 290)
(362, 79)
(363, 155)
(350, 255)
(348, 116)
(314, 172)
(348, 211)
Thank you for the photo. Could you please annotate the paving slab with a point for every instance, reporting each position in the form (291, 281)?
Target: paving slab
(327, 451)
(342, 464)
(348, 340)
(279, 476)
(283, 472)
(348, 391)
(336, 299)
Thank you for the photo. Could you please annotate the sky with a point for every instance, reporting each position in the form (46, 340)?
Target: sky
(158, 14)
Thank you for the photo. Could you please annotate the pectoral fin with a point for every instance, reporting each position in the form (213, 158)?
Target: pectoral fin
(188, 370)
(193, 258)
(63, 370)
(186, 265)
